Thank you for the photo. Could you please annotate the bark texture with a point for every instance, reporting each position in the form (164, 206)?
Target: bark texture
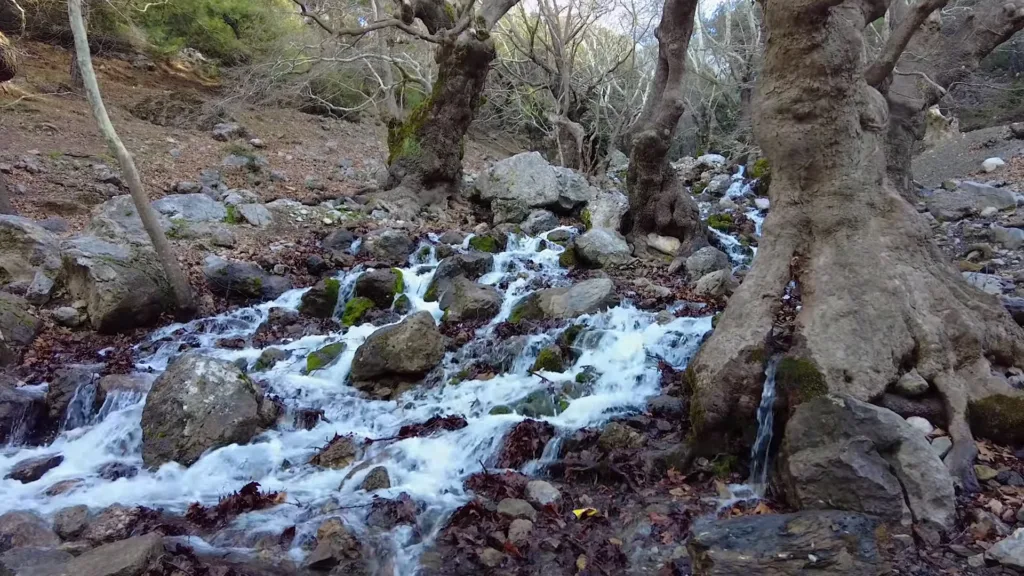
(657, 200)
(876, 296)
(946, 50)
(8, 59)
(179, 284)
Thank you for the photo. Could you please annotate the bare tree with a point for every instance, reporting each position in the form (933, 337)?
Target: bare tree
(12, 21)
(179, 284)
(848, 284)
(658, 203)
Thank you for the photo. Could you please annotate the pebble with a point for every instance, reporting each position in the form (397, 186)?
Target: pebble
(921, 424)
(989, 212)
(1010, 478)
(984, 472)
(542, 493)
(491, 558)
(942, 445)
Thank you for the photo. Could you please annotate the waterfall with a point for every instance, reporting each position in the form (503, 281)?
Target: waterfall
(760, 453)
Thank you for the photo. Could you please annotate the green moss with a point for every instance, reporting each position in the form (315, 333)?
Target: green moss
(324, 356)
(332, 286)
(568, 336)
(587, 376)
(567, 259)
(999, 418)
(760, 168)
(178, 229)
(399, 281)
(484, 244)
(549, 359)
(527, 309)
(723, 465)
(563, 404)
(800, 380)
(585, 217)
(423, 253)
(402, 304)
(449, 10)
(403, 137)
(498, 410)
(714, 320)
(233, 216)
(698, 188)
(355, 309)
(431, 294)
(720, 222)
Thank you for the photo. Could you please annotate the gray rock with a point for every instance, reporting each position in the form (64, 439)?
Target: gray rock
(26, 249)
(34, 561)
(799, 544)
(131, 557)
(911, 384)
(716, 284)
(380, 286)
(337, 550)
(398, 354)
(199, 404)
(239, 196)
(68, 317)
(616, 436)
(519, 530)
(471, 265)
(69, 522)
(667, 245)
(665, 406)
(463, 299)
(921, 425)
(54, 224)
(602, 247)
(191, 208)
(868, 460)
(118, 221)
(321, 300)
(564, 303)
(226, 131)
(123, 285)
(539, 221)
(70, 383)
(705, 261)
(186, 187)
(1010, 238)
(517, 508)
(239, 280)
(491, 558)
(18, 328)
(390, 246)
(968, 198)
(256, 214)
(33, 469)
(21, 528)
(525, 180)
(542, 493)
(573, 189)
(376, 479)
(942, 445)
(223, 237)
(39, 290)
(718, 184)
(22, 414)
(338, 240)
(452, 237)
(606, 210)
(989, 283)
(1008, 551)
(617, 161)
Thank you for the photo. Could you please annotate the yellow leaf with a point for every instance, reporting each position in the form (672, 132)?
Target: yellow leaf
(581, 563)
(585, 512)
(762, 508)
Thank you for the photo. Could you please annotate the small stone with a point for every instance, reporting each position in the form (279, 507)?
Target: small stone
(491, 558)
(942, 445)
(39, 290)
(517, 508)
(992, 164)
(984, 472)
(542, 493)
(377, 479)
(33, 469)
(68, 317)
(762, 203)
(70, 522)
(921, 424)
(223, 238)
(519, 530)
(1010, 478)
(989, 211)
(257, 143)
(976, 561)
(911, 384)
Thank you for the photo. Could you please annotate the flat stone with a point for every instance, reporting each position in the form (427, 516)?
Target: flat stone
(517, 508)
(984, 472)
(911, 384)
(33, 469)
(1008, 551)
(129, 557)
(942, 445)
(921, 424)
(519, 530)
(542, 493)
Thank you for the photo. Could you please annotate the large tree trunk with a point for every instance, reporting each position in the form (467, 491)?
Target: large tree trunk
(658, 203)
(870, 296)
(8, 59)
(179, 284)
(946, 50)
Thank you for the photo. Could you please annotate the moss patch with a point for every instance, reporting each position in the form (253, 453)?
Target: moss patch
(527, 309)
(799, 380)
(500, 410)
(999, 418)
(233, 216)
(760, 168)
(402, 304)
(431, 294)
(585, 217)
(567, 259)
(723, 465)
(484, 244)
(698, 188)
(355, 309)
(720, 222)
(549, 359)
(399, 281)
(324, 356)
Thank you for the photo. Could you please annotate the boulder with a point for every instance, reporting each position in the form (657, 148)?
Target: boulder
(539, 221)
(255, 214)
(199, 404)
(70, 522)
(868, 459)
(34, 561)
(1010, 238)
(616, 436)
(389, 246)
(718, 184)
(25, 249)
(968, 198)
(69, 317)
(799, 544)
(33, 469)
(22, 415)
(380, 286)
(573, 189)
(339, 453)
(518, 184)
(18, 328)
(1008, 551)
(132, 557)
(463, 299)
(606, 210)
(117, 220)
(376, 479)
(602, 247)
(20, 528)
(705, 261)
(716, 284)
(240, 280)
(190, 208)
(115, 522)
(71, 383)
(226, 131)
(471, 265)
(123, 285)
(667, 245)
(39, 289)
(398, 354)
(586, 297)
(321, 300)
(338, 240)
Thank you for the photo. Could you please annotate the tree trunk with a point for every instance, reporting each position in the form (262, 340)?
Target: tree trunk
(6, 207)
(658, 203)
(179, 284)
(8, 59)
(870, 295)
(74, 71)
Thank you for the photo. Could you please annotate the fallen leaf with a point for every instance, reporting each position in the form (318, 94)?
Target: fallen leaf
(762, 508)
(581, 563)
(585, 513)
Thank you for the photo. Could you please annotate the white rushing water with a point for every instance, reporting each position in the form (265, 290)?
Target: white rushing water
(623, 345)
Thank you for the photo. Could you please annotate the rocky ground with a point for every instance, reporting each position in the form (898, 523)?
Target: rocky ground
(257, 202)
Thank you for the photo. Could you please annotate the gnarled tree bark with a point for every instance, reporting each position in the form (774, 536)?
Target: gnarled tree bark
(870, 295)
(658, 203)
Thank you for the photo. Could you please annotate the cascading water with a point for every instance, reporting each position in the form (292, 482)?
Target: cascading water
(761, 451)
(622, 346)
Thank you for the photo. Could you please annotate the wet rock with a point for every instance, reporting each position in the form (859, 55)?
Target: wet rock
(22, 415)
(33, 469)
(130, 557)
(69, 383)
(718, 184)
(716, 284)
(376, 479)
(390, 246)
(198, 404)
(911, 385)
(705, 261)
(20, 528)
(463, 300)
(243, 281)
(256, 214)
(539, 221)
(968, 198)
(399, 353)
(602, 247)
(63, 487)
(516, 508)
(226, 131)
(134, 385)
(269, 358)
(33, 561)
(471, 265)
(26, 248)
(69, 523)
(112, 523)
(868, 459)
(338, 240)
(542, 493)
(337, 550)
(124, 286)
(321, 300)
(525, 442)
(606, 210)
(39, 290)
(380, 286)
(1009, 551)
(338, 453)
(616, 436)
(565, 303)
(825, 542)
(18, 328)
(666, 406)
(114, 470)
(387, 513)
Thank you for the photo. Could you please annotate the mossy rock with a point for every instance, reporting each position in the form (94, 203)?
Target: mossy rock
(724, 465)
(233, 216)
(537, 404)
(760, 168)
(588, 376)
(399, 281)
(402, 304)
(549, 360)
(355, 309)
(527, 309)
(499, 410)
(568, 259)
(720, 222)
(321, 300)
(799, 380)
(999, 417)
(698, 188)
(485, 244)
(586, 219)
(268, 358)
(324, 356)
